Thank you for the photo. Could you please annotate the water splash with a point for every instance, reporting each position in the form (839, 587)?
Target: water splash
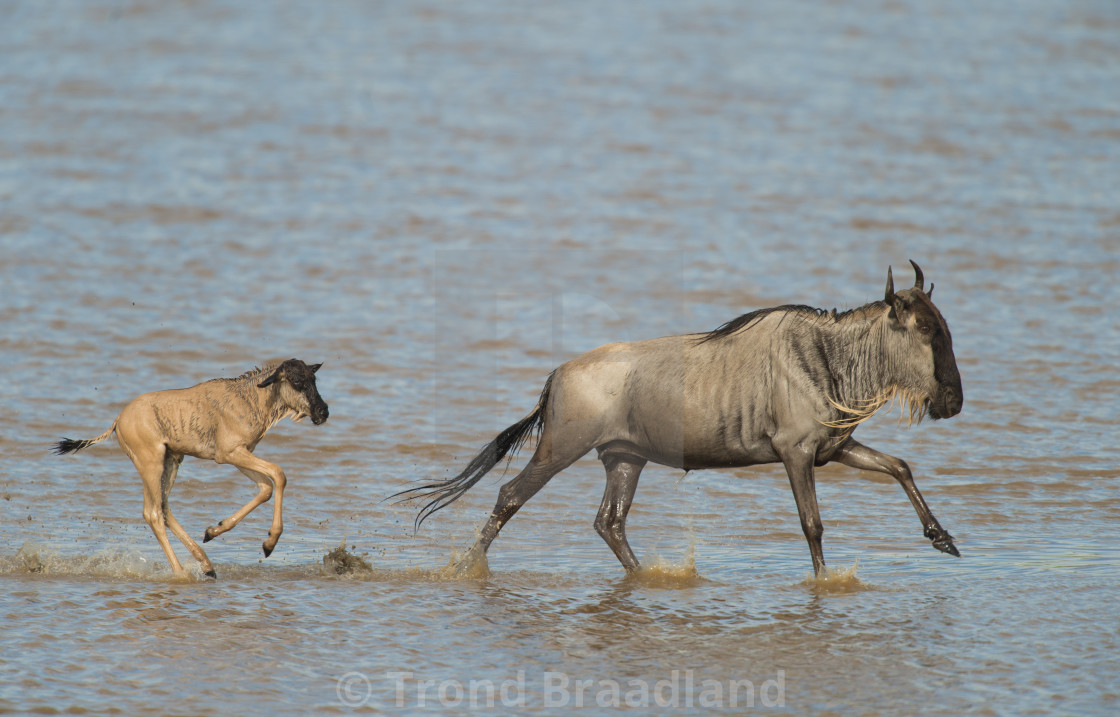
(39, 559)
(837, 581)
(661, 572)
(341, 562)
(471, 566)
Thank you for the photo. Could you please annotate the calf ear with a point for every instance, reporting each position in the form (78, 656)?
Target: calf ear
(270, 380)
(315, 367)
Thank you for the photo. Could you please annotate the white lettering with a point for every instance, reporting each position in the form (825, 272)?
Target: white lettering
(560, 690)
(556, 689)
(733, 692)
(672, 698)
(581, 688)
(515, 696)
(447, 686)
(779, 684)
(476, 686)
(399, 678)
(422, 688)
(712, 694)
(638, 696)
(610, 694)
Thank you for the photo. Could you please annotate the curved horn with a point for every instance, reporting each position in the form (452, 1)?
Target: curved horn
(919, 279)
(890, 287)
(930, 292)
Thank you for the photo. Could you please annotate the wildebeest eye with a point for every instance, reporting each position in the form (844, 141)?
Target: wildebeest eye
(925, 329)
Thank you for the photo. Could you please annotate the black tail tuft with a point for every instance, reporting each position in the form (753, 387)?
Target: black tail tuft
(69, 445)
(444, 493)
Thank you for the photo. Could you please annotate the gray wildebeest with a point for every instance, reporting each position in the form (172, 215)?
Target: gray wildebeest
(221, 420)
(788, 384)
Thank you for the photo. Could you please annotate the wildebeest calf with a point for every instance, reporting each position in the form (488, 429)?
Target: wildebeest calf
(221, 420)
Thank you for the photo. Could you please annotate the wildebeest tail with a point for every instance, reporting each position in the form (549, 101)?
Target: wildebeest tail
(443, 493)
(69, 445)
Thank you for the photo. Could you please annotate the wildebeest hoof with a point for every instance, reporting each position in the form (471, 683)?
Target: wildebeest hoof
(267, 550)
(207, 536)
(945, 545)
(211, 574)
(942, 541)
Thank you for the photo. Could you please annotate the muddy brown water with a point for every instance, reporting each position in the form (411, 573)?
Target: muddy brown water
(441, 203)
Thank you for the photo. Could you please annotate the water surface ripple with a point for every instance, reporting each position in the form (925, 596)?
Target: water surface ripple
(442, 202)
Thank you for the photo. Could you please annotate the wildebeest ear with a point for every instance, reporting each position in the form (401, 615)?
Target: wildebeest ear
(316, 366)
(889, 295)
(899, 310)
(930, 292)
(270, 380)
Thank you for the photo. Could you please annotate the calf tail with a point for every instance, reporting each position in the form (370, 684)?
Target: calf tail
(69, 445)
(446, 492)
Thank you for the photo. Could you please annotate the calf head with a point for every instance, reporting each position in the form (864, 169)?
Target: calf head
(296, 385)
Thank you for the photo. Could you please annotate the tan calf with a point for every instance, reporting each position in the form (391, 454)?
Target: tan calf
(221, 420)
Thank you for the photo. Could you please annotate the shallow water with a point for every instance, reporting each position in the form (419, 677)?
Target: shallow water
(442, 203)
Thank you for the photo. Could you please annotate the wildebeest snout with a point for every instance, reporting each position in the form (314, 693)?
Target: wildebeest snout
(319, 412)
(948, 404)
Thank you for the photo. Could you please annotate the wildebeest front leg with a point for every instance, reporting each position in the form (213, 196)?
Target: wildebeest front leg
(610, 523)
(268, 476)
(857, 455)
(264, 494)
(799, 468)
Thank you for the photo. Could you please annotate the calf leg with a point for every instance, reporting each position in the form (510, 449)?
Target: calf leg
(857, 455)
(610, 523)
(151, 469)
(268, 477)
(171, 464)
(141, 443)
(264, 494)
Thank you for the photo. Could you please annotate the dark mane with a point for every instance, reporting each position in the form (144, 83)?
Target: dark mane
(751, 318)
(253, 372)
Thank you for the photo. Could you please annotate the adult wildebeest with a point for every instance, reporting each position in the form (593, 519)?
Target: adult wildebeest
(222, 420)
(788, 384)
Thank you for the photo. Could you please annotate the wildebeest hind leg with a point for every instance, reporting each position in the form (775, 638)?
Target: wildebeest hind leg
(857, 455)
(610, 522)
(151, 471)
(171, 464)
(517, 492)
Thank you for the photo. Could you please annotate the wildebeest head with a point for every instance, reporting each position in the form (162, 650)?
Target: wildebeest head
(296, 382)
(922, 349)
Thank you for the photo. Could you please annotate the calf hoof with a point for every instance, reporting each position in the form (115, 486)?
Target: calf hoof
(212, 532)
(267, 550)
(211, 574)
